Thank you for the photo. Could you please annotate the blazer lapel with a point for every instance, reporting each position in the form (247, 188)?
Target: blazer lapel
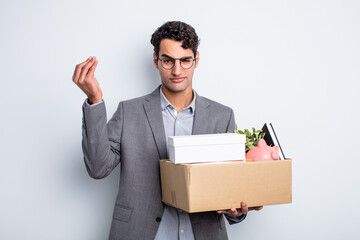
(201, 117)
(153, 112)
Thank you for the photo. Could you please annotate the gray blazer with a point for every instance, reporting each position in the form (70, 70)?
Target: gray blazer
(135, 136)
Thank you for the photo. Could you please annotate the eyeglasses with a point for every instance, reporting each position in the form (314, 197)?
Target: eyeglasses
(168, 62)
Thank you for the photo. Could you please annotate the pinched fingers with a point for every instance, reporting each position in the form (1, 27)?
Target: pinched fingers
(84, 78)
(93, 68)
(78, 70)
(85, 74)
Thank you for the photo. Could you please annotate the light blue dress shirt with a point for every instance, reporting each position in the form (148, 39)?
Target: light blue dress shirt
(175, 224)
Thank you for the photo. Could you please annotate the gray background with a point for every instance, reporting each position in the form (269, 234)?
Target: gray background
(292, 63)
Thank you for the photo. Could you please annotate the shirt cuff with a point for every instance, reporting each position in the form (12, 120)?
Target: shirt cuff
(235, 220)
(87, 104)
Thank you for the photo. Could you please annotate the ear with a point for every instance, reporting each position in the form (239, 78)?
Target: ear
(197, 59)
(155, 59)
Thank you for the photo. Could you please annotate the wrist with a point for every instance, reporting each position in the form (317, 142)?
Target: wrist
(94, 100)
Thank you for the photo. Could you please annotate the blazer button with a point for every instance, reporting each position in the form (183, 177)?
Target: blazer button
(158, 219)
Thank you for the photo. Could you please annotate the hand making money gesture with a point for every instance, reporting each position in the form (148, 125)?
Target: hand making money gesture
(86, 81)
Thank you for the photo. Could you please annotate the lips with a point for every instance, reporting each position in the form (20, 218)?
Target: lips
(177, 80)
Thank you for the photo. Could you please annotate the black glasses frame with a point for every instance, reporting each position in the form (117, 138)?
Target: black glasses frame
(174, 59)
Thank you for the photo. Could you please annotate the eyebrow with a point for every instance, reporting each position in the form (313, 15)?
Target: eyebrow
(164, 55)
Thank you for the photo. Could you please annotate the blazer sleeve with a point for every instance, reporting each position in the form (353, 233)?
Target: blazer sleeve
(231, 124)
(101, 140)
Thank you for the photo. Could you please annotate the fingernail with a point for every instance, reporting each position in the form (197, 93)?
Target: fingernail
(243, 204)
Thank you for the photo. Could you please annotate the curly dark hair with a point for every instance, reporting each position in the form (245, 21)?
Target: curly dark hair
(178, 31)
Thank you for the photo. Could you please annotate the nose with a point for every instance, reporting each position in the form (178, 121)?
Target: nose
(176, 70)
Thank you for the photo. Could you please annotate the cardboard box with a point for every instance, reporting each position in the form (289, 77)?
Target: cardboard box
(223, 185)
(206, 148)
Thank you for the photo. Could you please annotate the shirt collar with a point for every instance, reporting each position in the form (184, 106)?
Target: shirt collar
(165, 103)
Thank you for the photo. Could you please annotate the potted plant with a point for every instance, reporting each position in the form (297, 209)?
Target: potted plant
(252, 138)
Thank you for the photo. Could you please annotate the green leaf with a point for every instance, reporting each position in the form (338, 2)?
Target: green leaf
(252, 138)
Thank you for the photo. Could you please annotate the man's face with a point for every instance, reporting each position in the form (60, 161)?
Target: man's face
(177, 79)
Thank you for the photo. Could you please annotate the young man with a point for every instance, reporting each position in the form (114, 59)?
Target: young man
(137, 135)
